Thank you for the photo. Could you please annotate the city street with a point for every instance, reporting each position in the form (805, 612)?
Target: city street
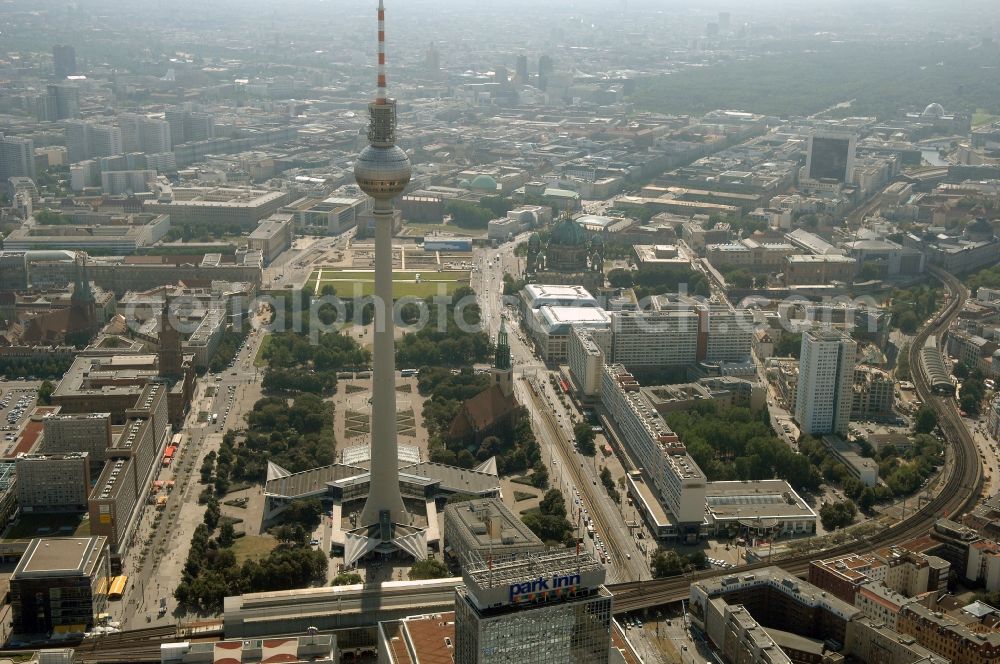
(568, 469)
(166, 543)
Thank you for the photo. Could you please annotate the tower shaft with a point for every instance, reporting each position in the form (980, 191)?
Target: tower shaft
(384, 493)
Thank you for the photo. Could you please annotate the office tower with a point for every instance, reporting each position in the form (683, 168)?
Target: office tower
(521, 70)
(432, 59)
(826, 378)
(63, 61)
(17, 158)
(382, 171)
(536, 608)
(63, 102)
(545, 69)
(831, 156)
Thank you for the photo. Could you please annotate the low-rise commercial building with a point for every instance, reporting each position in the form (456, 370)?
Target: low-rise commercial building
(272, 236)
(757, 509)
(804, 270)
(861, 468)
(478, 529)
(119, 234)
(218, 207)
(60, 583)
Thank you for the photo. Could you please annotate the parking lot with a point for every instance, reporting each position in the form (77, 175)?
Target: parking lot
(17, 399)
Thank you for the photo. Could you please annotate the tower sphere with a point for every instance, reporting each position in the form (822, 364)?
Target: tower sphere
(382, 172)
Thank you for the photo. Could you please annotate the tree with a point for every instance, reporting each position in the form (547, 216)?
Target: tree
(837, 515)
(620, 278)
(585, 436)
(666, 562)
(290, 533)
(45, 393)
(540, 476)
(346, 579)
(227, 534)
(428, 568)
(961, 370)
(553, 504)
(925, 420)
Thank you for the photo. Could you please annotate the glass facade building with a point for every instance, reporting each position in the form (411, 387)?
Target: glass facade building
(576, 629)
(544, 607)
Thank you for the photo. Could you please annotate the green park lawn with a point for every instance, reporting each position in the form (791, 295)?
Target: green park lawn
(404, 283)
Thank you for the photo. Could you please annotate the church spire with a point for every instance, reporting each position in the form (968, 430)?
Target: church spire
(502, 357)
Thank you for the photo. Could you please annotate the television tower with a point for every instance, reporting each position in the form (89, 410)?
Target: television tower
(382, 171)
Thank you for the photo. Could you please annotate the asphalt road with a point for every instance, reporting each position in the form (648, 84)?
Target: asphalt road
(568, 469)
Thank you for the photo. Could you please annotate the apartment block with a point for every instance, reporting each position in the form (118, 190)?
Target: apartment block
(826, 376)
(52, 482)
(85, 432)
(678, 482)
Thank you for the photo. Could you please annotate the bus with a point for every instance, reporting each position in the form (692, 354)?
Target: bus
(118, 584)
(407, 373)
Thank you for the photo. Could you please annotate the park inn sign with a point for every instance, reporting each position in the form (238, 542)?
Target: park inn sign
(544, 588)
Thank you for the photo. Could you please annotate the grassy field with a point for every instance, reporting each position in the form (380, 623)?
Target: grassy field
(404, 283)
(253, 547)
(258, 360)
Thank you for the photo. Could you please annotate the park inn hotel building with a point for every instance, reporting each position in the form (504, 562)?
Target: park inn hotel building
(533, 608)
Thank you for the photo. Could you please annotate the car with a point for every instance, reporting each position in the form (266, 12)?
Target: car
(314, 542)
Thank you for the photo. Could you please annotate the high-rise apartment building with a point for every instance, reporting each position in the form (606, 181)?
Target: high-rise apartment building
(187, 126)
(539, 608)
(677, 481)
(826, 379)
(89, 432)
(104, 141)
(52, 482)
(17, 157)
(86, 140)
(681, 334)
(63, 61)
(144, 134)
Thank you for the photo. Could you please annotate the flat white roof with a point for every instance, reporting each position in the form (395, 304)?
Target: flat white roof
(540, 294)
(561, 315)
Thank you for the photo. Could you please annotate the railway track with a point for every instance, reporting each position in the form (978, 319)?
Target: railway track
(960, 492)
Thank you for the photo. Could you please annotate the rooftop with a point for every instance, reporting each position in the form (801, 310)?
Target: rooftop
(761, 499)
(65, 556)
